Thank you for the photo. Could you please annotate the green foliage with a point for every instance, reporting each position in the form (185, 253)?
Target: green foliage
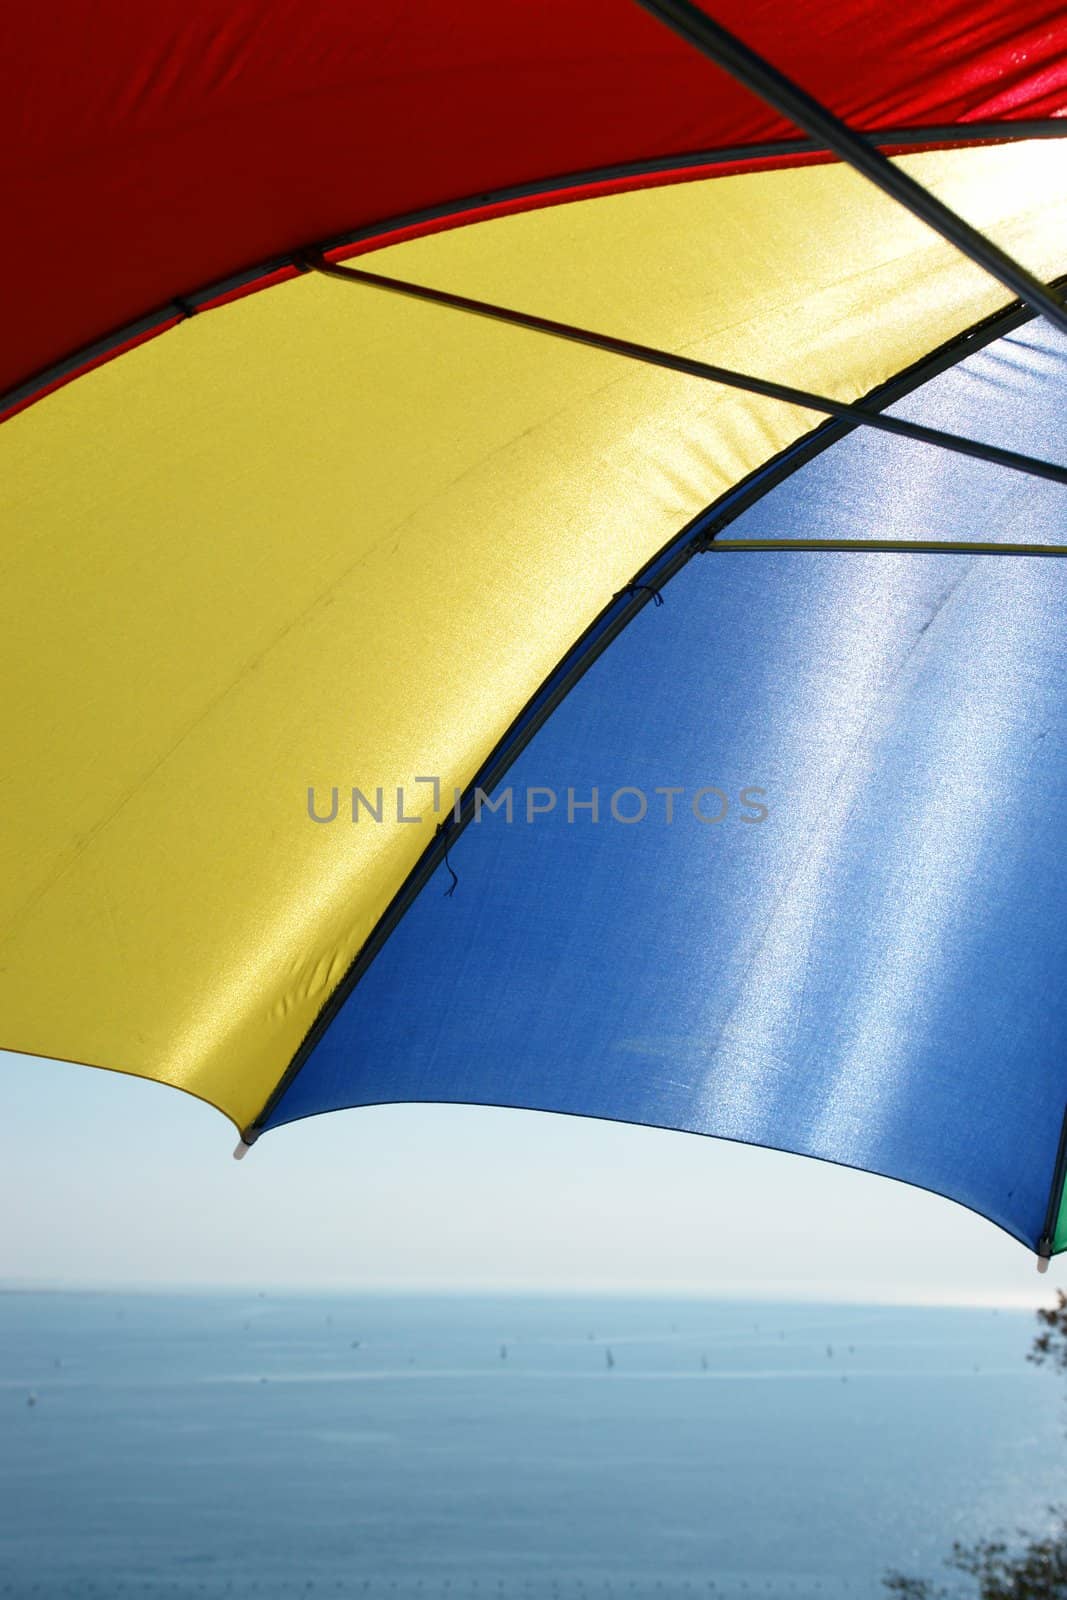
(1032, 1568)
(1050, 1346)
(1036, 1569)
(911, 1588)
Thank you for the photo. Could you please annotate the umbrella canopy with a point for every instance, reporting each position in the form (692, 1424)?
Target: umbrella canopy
(307, 559)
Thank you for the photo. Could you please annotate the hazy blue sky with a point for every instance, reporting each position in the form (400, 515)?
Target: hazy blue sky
(106, 1179)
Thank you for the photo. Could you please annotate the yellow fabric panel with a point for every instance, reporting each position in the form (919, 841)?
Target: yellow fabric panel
(325, 536)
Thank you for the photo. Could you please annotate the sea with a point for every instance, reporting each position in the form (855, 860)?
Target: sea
(522, 1448)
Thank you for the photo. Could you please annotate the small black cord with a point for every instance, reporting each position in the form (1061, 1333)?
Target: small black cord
(632, 588)
(442, 832)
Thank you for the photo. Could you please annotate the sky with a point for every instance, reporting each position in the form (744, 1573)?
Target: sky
(110, 1181)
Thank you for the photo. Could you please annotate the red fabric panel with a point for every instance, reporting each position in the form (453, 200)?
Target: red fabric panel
(154, 149)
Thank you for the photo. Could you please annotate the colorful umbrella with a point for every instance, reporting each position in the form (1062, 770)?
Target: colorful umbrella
(450, 674)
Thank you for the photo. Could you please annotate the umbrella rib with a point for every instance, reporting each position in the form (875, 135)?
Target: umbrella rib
(1047, 1242)
(689, 367)
(933, 136)
(928, 547)
(752, 70)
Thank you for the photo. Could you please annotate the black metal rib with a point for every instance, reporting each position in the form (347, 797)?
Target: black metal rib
(697, 369)
(922, 547)
(756, 73)
(1046, 1243)
(936, 136)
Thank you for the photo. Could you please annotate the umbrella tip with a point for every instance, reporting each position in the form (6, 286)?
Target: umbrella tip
(1042, 1263)
(241, 1151)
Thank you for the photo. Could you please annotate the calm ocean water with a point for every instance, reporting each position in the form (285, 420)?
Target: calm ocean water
(185, 1445)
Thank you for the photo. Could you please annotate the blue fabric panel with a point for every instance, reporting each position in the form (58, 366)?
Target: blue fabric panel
(873, 973)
